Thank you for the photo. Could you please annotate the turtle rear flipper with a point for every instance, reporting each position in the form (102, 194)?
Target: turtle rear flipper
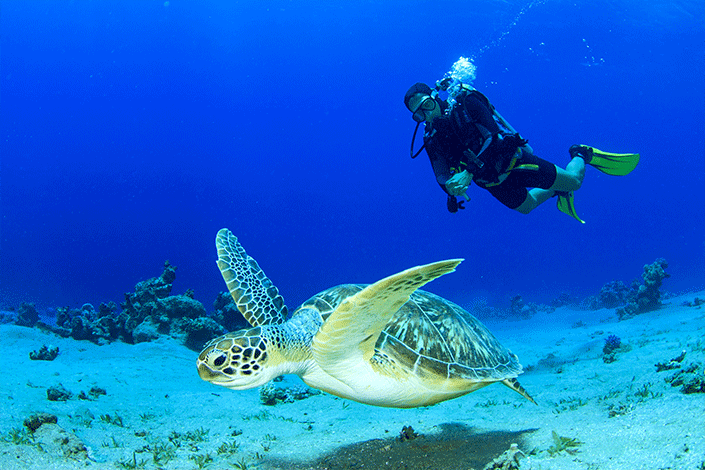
(516, 386)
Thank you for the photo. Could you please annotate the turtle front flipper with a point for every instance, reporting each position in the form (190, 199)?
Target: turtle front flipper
(346, 341)
(254, 294)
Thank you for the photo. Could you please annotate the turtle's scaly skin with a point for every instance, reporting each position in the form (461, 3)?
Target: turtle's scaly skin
(385, 344)
(255, 296)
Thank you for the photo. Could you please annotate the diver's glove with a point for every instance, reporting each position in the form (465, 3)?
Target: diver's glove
(458, 184)
(514, 141)
(453, 204)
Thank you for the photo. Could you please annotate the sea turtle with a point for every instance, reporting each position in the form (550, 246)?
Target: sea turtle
(385, 344)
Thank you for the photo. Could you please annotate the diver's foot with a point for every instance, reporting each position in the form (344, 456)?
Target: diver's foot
(582, 151)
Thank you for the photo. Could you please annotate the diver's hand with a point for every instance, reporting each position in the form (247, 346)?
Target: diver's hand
(458, 184)
(453, 204)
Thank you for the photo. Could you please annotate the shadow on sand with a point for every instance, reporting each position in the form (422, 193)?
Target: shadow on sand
(455, 446)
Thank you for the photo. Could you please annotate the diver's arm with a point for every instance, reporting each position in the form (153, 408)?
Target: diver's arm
(441, 168)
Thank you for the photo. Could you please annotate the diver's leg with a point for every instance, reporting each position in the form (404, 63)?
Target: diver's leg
(571, 178)
(549, 179)
(535, 198)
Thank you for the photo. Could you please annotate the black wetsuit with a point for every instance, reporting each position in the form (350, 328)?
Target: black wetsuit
(470, 125)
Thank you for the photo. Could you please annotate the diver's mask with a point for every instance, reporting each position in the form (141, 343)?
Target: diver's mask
(427, 104)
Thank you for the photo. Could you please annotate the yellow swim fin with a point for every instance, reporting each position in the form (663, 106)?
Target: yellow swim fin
(618, 164)
(565, 205)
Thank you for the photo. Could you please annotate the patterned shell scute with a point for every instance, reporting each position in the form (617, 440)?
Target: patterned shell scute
(328, 300)
(443, 339)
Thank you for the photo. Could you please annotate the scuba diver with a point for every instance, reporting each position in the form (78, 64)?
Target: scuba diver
(467, 140)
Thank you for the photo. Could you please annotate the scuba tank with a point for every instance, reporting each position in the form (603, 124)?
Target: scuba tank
(454, 87)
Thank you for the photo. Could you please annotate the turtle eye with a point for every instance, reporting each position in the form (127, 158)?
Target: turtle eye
(218, 361)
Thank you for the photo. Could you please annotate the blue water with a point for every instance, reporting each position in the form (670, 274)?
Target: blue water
(132, 131)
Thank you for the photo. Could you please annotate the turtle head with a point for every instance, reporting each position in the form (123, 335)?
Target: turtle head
(240, 360)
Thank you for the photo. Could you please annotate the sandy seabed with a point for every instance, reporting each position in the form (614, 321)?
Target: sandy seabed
(157, 412)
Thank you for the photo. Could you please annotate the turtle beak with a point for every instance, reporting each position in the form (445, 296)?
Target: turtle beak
(213, 374)
(224, 380)
(208, 374)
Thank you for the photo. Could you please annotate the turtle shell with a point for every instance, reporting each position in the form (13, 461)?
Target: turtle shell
(430, 335)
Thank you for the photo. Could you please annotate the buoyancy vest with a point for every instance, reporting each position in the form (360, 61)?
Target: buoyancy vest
(470, 137)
